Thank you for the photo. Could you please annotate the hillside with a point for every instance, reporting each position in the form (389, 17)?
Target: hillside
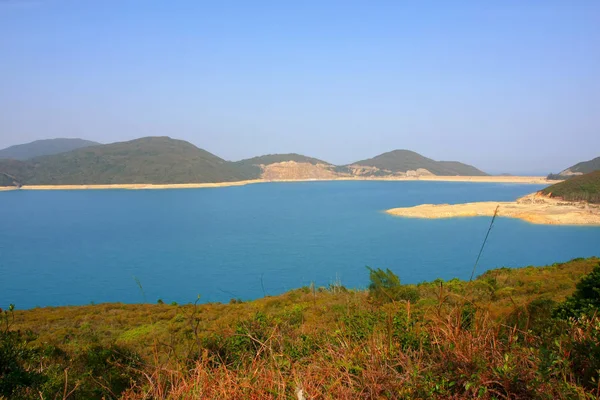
(395, 163)
(507, 335)
(162, 160)
(582, 168)
(579, 188)
(401, 161)
(277, 158)
(289, 166)
(157, 160)
(44, 148)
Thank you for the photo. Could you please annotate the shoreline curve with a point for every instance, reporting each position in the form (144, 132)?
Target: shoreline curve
(534, 208)
(526, 180)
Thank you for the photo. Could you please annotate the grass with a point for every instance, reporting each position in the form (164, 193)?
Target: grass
(493, 337)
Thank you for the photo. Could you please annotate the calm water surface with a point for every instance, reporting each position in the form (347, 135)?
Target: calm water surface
(77, 247)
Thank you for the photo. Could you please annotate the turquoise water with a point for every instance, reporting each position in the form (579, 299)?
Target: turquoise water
(77, 247)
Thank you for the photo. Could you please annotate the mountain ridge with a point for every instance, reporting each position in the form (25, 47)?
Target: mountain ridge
(402, 161)
(44, 147)
(583, 167)
(163, 160)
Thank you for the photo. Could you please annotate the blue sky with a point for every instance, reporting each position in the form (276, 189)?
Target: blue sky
(508, 86)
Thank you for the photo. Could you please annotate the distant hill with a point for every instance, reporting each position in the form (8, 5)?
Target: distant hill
(157, 160)
(254, 166)
(44, 148)
(579, 188)
(162, 160)
(582, 167)
(398, 161)
(277, 158)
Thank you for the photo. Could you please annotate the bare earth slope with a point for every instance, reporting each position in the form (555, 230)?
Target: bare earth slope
(291, 170)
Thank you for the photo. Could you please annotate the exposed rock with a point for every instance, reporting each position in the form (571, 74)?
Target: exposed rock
(418, 172)
(291, 170)
(568, 172)
(363, 170)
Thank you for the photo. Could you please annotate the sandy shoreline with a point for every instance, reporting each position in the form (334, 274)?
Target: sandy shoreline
(533, 208)
(133, 186)
(140, 186)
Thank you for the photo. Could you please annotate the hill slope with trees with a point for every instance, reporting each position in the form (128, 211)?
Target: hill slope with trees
(584, 167)
(405, 160)
(578, 188)
(152, 160)
(162, 160)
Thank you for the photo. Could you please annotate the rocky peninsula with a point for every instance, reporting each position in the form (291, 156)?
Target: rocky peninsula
(535, 208)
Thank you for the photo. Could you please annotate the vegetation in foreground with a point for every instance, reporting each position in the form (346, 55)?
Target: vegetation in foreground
(579, 188)
(511, 333)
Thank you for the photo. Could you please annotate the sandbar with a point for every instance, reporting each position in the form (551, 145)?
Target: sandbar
(537, 180)
(534, 208)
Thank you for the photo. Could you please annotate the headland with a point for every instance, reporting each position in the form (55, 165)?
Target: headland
(534, 208)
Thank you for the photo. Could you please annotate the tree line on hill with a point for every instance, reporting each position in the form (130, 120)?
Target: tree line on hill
(162, 160)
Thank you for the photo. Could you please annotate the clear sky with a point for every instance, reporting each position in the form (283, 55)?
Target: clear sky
(506, 85)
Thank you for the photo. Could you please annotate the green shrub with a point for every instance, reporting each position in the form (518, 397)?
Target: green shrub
(585, 300)
(406, 332)
(360, 324)
(107, 371)
(385, 287)
(536, 316)
(15, 356)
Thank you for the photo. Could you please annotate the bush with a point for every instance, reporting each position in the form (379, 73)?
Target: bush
(536, 316)
(585, 300)
(385, 287)
(359, 325)
(15, 355)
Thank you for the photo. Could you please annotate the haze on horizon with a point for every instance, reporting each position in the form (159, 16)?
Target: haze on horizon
(505, 86)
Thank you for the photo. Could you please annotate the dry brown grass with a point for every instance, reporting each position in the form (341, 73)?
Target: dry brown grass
(460, 340)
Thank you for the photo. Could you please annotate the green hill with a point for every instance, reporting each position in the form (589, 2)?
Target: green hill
(162, 160)
(405, 160)
(583, 167)
(579, 188)
(44, 148)
(153, 160)
(277, 158)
